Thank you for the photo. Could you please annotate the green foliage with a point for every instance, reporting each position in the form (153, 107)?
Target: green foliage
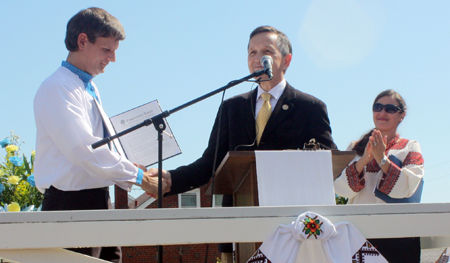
(341, 200)
(16, 176)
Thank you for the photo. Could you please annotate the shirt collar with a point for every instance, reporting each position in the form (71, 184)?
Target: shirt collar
(393, 141)
(275, 91)
(84, 76)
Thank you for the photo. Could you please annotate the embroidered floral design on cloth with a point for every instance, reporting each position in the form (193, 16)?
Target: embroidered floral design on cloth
(355, 181)
(368, 250)
(312, 226)
(373, 167)
(390, 179)
(259, 257)
(413, 158)
(395, 141)
(397, 144)
(340, 242)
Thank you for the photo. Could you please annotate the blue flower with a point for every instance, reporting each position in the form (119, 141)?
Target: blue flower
(30, 180)
(2, 188)
(16, 161)
(5, 142)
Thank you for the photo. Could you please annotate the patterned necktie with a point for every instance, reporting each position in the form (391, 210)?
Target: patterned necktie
(263, 116)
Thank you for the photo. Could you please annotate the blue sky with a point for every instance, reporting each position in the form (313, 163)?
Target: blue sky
(344, 52)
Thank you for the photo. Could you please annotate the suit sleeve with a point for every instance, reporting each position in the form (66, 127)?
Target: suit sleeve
(198, 173)
(320, 124)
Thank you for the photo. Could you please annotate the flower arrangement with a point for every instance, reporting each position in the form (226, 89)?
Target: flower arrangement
(18, 191)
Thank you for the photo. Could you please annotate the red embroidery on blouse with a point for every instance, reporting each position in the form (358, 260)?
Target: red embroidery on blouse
(413, 158)
(354, 181)
(392, 142)
(389, 180)
(372, 167)
(399, 145)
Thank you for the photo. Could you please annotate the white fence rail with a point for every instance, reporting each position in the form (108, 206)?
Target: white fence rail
(39, 236)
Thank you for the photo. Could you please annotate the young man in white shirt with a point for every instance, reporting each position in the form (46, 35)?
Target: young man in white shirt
(72, 175)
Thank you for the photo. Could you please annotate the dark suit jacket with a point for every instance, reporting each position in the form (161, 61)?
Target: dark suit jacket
(296, 119)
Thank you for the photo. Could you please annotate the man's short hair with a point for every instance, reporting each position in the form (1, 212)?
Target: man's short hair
(283, 43)
(94, 22)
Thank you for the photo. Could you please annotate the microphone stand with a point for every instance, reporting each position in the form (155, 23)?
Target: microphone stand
(160, 126)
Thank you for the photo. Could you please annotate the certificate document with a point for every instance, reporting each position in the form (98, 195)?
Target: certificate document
(141, 146)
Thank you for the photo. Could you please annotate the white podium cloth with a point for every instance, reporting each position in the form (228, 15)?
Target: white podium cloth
(445, 256)
(294, 178)
(312, 238)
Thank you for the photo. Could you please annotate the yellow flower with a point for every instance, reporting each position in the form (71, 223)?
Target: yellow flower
(14, 207)
(33, 153)
(14, 179)
(22, 189)
(12, 148)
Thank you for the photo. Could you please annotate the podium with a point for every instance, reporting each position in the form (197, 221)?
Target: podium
(236, 175)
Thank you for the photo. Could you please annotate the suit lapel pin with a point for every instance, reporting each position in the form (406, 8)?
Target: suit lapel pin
(285, 107)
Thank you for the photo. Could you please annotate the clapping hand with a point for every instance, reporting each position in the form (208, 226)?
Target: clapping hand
(378, 144)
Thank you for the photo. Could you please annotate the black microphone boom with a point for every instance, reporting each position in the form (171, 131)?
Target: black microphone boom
(166, 113)
(266, 62)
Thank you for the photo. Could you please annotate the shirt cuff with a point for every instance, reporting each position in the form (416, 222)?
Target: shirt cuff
(356, 181)
(139, 176)
(389, 179)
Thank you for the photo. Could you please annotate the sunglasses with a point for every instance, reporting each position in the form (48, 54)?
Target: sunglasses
(389, 108)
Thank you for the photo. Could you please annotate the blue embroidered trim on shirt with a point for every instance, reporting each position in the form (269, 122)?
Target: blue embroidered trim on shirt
(84, 76)
(139, 176)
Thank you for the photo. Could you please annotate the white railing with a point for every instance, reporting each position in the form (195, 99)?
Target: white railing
(39, 236)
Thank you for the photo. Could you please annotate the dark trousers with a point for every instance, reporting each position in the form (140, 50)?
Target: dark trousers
(89, 199)
(398, 250)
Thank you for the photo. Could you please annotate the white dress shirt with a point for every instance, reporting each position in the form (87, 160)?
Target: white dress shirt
(68, 123)
(275, 92)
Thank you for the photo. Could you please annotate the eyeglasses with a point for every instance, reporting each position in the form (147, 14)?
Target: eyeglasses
(389, 108)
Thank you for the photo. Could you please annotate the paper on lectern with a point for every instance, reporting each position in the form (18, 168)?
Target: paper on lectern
(294, 178)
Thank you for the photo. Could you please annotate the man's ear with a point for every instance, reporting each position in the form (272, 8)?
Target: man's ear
(82, 41)
(287, 61)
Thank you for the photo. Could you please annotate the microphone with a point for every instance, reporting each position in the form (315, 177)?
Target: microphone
(266, 62)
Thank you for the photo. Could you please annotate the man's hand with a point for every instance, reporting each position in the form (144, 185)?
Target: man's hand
(150, 182)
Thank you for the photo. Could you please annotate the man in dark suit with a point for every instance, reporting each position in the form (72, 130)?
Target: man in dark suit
(296, 117)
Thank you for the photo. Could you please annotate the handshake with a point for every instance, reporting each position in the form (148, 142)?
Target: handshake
(150, 181)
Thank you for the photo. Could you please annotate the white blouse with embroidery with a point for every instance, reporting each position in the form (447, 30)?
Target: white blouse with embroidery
(399, 182)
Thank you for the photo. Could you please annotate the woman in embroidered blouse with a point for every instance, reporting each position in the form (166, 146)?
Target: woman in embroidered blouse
(387, 168)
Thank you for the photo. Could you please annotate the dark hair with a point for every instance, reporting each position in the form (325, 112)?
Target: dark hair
(391, 93)
(94, 22)
(360, 146)
(283, 43)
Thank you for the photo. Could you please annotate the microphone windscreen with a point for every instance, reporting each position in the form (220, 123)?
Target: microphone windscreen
(266, 58)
